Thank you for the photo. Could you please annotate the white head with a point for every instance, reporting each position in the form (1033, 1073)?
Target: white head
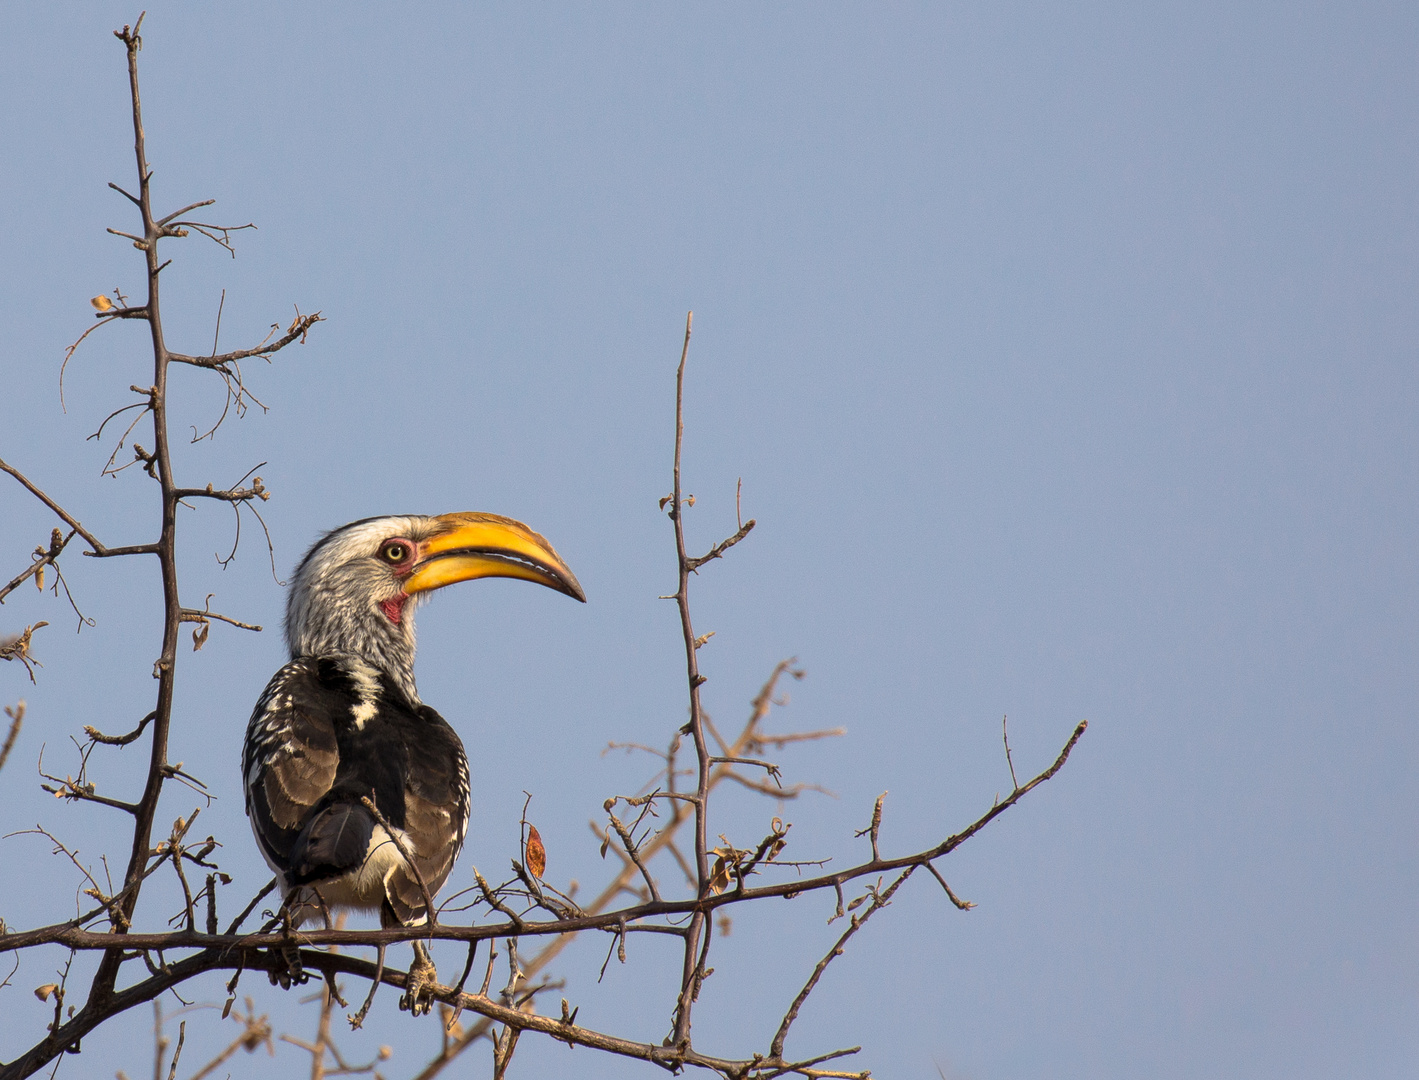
(350, 594)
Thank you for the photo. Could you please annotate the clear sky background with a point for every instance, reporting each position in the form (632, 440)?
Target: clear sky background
(1066, 352)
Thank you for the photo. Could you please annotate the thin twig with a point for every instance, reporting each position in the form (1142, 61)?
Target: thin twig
(298, 330)
(964, 905)
(1005, 734)
(90, 539)
(430, 914)
(634, 855)
(879, 900)
(17, 647)
(119, 740)
(16, 713)
(58, 541)
(872, 830)
(723, 546)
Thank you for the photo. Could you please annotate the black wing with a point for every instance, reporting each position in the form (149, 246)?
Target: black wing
(436, 798)
(289, 761)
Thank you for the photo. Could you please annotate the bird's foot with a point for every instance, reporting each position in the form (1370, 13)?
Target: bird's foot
(289, 971)
(418, 996)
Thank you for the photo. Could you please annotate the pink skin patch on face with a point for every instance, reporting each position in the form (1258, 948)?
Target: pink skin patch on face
(394, 607)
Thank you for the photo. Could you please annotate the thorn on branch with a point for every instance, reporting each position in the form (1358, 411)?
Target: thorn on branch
(1005, 734)
(568, 1014)
(125, 194)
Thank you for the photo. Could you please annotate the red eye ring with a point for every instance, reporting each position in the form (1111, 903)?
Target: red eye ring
(396, 552)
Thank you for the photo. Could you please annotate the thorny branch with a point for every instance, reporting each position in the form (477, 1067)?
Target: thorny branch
(691, 973)
(201, 618)
(103, 997)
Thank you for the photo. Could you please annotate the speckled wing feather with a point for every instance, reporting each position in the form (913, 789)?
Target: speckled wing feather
(289, 760)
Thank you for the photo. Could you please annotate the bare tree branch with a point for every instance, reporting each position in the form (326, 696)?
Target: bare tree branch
(17, 647)
(96, 547)
(879, 900)
(16, 713)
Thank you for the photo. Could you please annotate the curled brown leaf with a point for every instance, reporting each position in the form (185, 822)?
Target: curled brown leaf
(536, 853)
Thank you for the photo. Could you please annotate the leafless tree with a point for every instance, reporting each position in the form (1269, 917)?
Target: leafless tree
(665, 824)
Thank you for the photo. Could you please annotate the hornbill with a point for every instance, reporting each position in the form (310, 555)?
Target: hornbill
(342, 723)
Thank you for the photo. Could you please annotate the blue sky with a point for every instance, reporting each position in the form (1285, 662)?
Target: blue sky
(1066, 353)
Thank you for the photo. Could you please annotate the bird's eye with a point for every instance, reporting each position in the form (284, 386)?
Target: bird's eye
(395, 552)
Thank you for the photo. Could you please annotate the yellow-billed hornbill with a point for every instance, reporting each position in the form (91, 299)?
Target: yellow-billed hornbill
(342, 722)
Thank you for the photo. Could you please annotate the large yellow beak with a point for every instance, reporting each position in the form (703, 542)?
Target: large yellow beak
(471, 546)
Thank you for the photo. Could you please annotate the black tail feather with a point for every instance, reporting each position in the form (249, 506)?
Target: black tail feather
(335, 841)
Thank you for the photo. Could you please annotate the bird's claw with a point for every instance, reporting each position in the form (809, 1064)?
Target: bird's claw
(418, 996)
(289, 972)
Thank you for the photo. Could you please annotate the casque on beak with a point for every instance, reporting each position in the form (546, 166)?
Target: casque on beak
(472, 545)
